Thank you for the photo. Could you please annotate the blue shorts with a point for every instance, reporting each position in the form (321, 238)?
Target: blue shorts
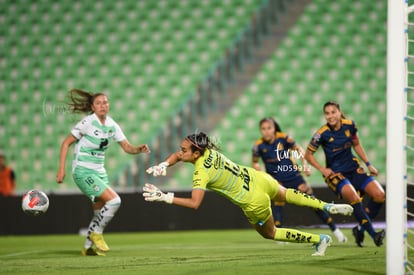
(358, 178)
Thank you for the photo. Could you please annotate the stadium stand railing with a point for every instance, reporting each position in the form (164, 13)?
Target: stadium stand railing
(151, 57)
(336, 51)
(202, 101)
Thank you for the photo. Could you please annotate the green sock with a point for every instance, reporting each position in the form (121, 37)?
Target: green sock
(296, 236)
(296, 197)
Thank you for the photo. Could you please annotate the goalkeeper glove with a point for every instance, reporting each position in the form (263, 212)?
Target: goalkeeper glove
(153, 193)
(157, 170)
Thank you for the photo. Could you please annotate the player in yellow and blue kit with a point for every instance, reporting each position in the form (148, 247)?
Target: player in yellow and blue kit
(343, 173)
(247, 188)
(280, 153)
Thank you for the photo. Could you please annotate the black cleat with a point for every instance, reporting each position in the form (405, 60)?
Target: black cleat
(379, 237)
(359, 236)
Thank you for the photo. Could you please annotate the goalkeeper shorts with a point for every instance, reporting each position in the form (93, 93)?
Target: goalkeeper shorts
(259, 209)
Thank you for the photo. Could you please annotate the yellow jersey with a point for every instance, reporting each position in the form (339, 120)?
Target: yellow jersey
(242, 185)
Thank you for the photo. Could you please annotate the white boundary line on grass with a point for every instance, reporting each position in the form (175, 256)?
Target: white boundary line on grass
(21, 253)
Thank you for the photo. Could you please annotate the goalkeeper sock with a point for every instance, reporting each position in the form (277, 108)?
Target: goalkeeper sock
(296, 236)
(296, 197)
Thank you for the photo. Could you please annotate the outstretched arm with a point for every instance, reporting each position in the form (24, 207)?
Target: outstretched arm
(197, 196)
(173, 159)
(153, 193)
(130, 149)
(161, 169)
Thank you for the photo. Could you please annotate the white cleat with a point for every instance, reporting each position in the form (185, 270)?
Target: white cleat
(322, 245)
(342, 209)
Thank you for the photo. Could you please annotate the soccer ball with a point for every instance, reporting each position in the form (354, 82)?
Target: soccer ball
(35, 203)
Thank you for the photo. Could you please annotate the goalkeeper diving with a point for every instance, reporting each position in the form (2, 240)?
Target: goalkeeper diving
(251, 190)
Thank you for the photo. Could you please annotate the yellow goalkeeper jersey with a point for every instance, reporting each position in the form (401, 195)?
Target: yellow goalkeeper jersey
(240, 184)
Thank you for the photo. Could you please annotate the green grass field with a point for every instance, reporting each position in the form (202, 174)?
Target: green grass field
(186, 252)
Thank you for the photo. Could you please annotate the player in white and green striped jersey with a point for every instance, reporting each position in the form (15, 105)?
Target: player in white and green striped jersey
(92, 136)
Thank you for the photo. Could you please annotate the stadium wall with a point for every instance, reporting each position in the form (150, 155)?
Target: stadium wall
(69, 214)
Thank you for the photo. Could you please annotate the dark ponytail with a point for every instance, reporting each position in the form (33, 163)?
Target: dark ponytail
(201, 141)
(81, 101)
